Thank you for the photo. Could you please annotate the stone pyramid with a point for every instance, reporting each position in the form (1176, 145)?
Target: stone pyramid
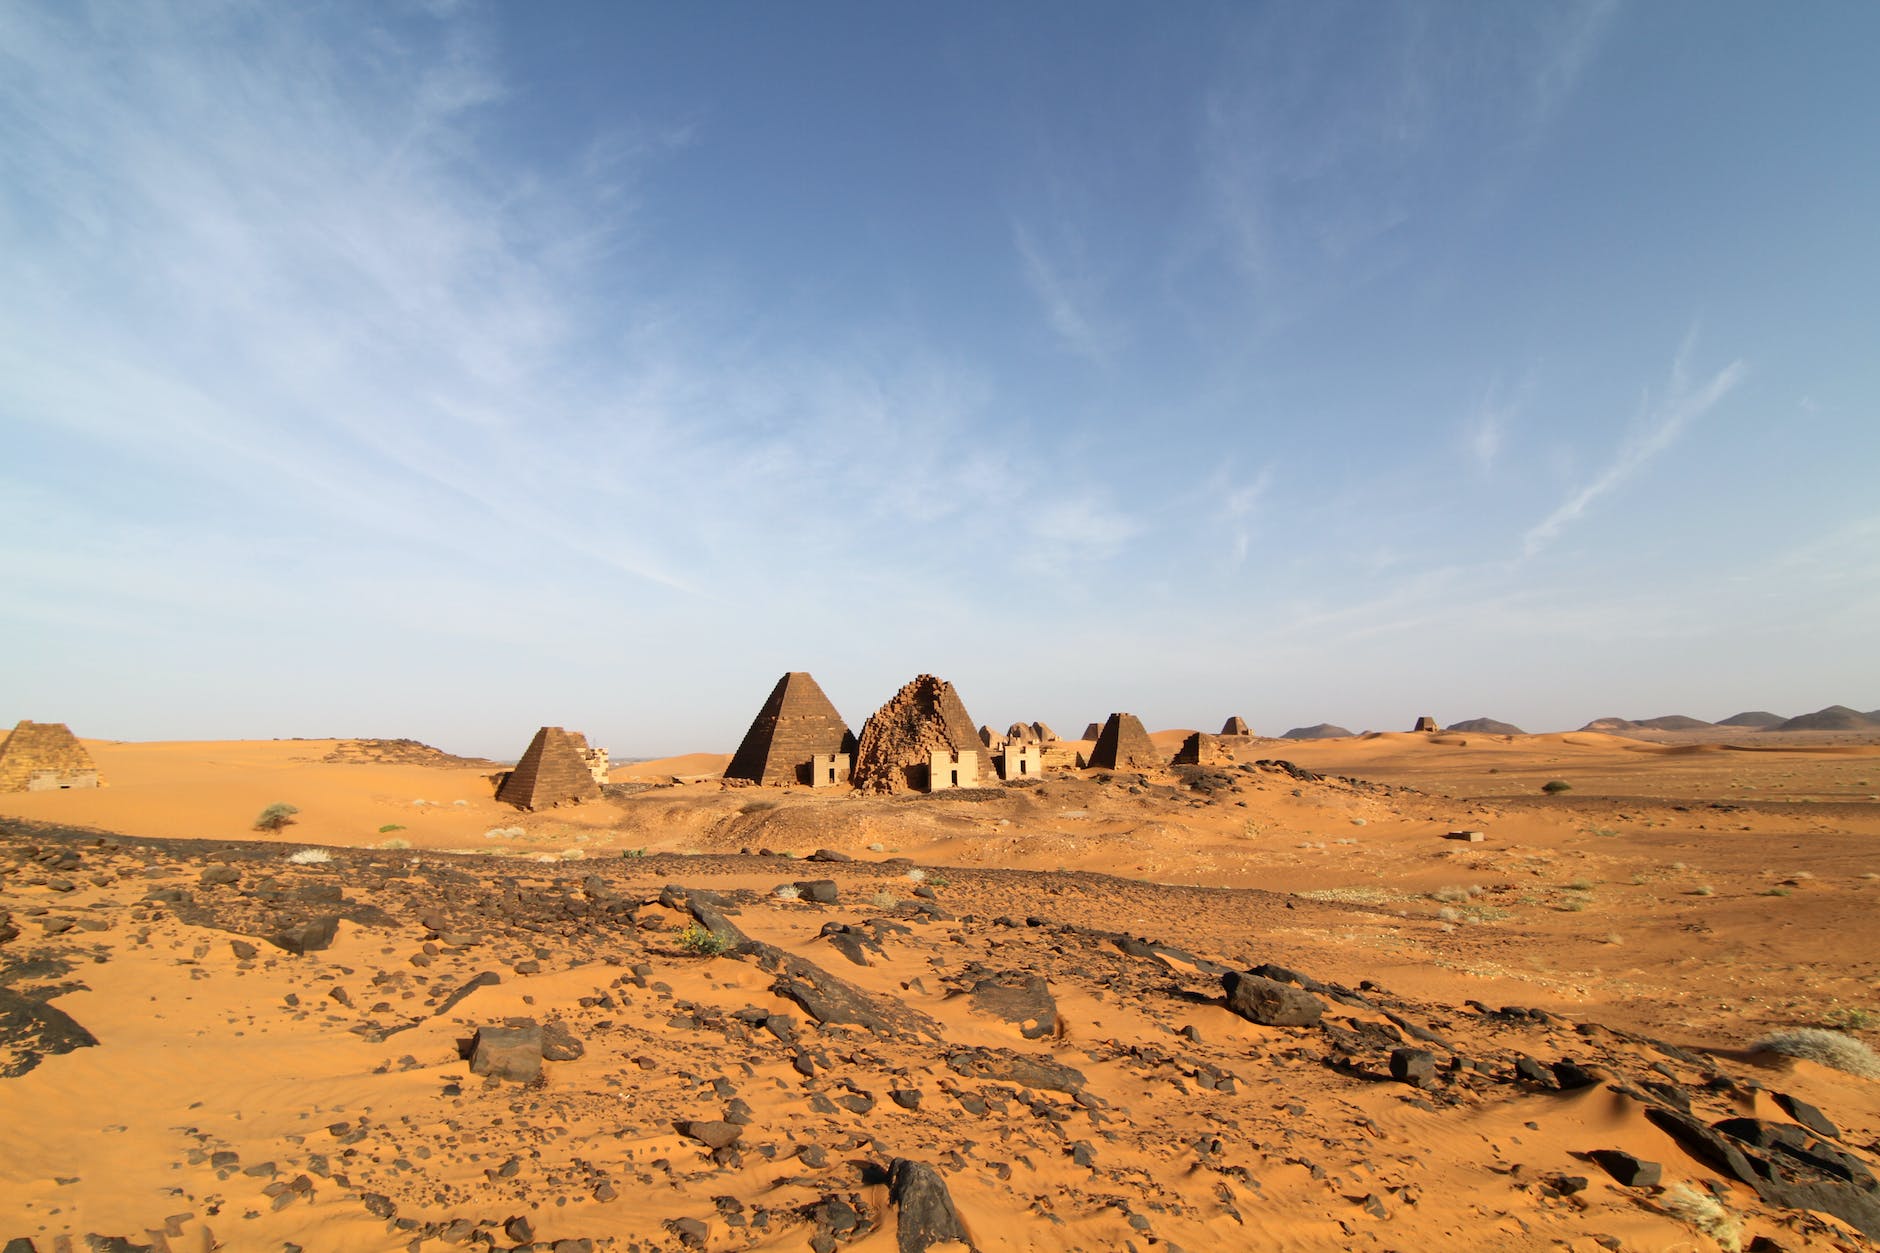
(1425, 723)
(1235, 725)
(1021, 733)
(551, 773)
(797, 723)
(924, 717)
(1092, 731)
(1044, 732)
(44, 756)
(1124, 745)
(990, 738)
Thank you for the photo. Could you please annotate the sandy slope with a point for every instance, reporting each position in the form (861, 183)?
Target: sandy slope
(340, 1068)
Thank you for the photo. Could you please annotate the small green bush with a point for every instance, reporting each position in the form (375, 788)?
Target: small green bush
(703, 942)
(276, 816)
(390, 827)
(1554, 787)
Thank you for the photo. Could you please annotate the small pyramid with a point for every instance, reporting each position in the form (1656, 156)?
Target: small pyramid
(552, 772)
(898, 741)
(45, 757)
(797, 723)
(1124, 745)
(1235, 725)
(1044, 733)
(990, 738)
(1425, 723)
(1021, 733)
(1092, 731)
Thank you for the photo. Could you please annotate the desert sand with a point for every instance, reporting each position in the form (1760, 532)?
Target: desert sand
(1011, 1029)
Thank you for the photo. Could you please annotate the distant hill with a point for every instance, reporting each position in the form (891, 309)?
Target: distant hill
(1323, 731)
(1755, 718)
(1833, 718)
(1670, 722)
(1486, 726)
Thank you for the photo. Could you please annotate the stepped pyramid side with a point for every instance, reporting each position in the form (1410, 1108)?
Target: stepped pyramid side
(44, 757)
(551, 772)
(1124, 745)
(797, 723)
(898, 741)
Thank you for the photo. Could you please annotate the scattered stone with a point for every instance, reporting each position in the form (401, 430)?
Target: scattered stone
(818, 891)
(711, 1133)
(307, 937)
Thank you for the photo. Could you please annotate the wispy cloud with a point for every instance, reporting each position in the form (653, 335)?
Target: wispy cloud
(1661, 421)
(1485, 431)
(1069, 292)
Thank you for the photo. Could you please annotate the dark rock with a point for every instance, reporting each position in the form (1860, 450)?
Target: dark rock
(906, 1098)
(1270, 1003)
(828, 854)
(307, 937)
(221, 876)
(1413, 1066)
(519, 1229)
(1024, 1000)
(1807, 1115)
(1572, 1076)
(820, 891)
(711, 1133)
(1044, 1073)
(509, 1052)
(1532, 1071)
(690, 1232)
(559, 1044)
(924, 1213)
(32, 1030)
(1628, 1170)
(489, 978)
(377, 1205)
(243, 950)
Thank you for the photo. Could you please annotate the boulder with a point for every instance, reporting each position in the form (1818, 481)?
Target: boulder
(1269, 1003)
(508, 1052)
(923, 1208)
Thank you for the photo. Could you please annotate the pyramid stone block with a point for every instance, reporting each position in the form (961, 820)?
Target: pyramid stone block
(896, 748)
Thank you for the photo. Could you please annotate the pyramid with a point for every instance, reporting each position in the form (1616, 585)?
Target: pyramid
(551, 773)
(899, 739)
(1092, 731)
(1425, 723)
(797, 723)
(1044, 733)
(1021, 733)
(1235, 725)
(45, 757)
(990, 738)
(1124, 745)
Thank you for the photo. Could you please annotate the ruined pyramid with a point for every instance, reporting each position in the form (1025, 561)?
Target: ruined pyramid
(797, 723)
(1124, 745)
(924, 717)
(1235, 725)
(551, 772)
(44, 757)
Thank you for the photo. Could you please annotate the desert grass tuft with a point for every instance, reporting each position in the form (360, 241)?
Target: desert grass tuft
(1827, 1048)
(1696, 1206)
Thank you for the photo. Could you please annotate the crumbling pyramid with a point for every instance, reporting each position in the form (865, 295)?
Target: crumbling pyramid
(45, 757)
(1021, 733)
(1425, 723)
(1044, 733)
(1202, 749)
(552, 772)
(1124, 745)
(797, 723)
(899, 739)
(990, 738)
(1092, 731)
(1235, 725)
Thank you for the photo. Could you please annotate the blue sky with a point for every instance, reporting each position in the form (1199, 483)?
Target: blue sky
(451, 369)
